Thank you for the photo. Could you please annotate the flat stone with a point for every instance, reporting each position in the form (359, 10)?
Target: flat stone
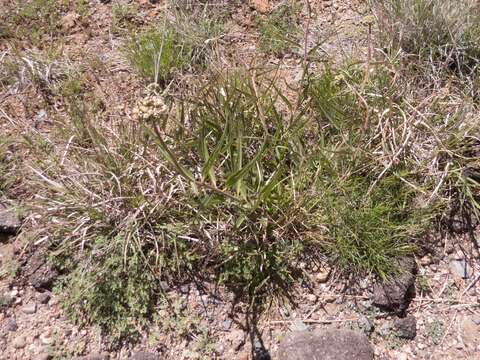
(406, 328)
(143, 355)
(30, 308)
(94, 357)
(43, 278)
(460, 268)
(9, 221)
(395, 294)
(46, 338)
(237, 338)
(19, 342)
(298, 325)
(226, 324)
(69, 20)
(470, 332)
(384, 329)
(43, 297)
(325, 344)
(11, 325)
(44, 356)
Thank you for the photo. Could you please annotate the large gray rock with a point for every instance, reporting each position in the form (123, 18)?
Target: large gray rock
(396, 294)
(9, 221)
(326, 344)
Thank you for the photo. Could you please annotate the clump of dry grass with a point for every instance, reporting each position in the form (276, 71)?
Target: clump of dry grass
(437, 47)
(443, 33)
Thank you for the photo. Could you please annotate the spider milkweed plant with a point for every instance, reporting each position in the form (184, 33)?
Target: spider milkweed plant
(246, 157)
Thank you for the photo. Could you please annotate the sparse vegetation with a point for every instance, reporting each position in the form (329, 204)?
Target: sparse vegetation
(435, 329)
(4, 165)
(279, 30)
(123, 16)
(33, 20)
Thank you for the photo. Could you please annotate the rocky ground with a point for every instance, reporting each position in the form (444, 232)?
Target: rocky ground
(430, 311)
(431, 315)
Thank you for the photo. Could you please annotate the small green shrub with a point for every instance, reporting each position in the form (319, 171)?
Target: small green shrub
(114, 290)
(177, 45)
(157, 55)
(278, 31)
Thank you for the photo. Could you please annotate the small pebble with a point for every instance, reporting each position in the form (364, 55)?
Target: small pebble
(298, 325)
(43, 298)
(19, 342)
(365, 325)
(460, 268)
(6, 299)
(227, 324)
(426, 260)
(322, 276)
(29, 308)
(329, 298)
(46, 339)
(449, 248)
(365, 284)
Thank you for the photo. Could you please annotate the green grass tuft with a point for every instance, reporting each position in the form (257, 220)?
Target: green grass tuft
(177, 45)
(279, 30)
